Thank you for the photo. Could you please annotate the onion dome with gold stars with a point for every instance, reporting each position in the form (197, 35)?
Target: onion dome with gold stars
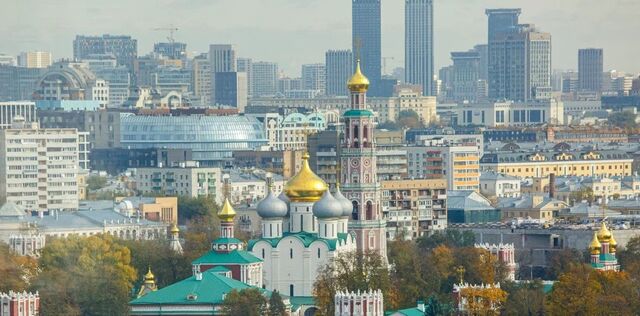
(305, 186)
(358, 82)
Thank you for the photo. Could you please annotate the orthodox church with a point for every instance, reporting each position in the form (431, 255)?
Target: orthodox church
(603, 250)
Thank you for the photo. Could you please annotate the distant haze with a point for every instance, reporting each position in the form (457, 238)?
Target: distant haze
(294, 32)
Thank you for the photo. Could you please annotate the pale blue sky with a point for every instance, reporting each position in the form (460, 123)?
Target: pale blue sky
(293, 32)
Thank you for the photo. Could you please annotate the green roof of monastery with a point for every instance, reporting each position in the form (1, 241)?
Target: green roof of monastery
(358, 113)
(235, 256)
(306, 238)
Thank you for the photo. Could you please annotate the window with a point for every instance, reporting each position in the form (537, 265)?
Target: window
(291, 290)
(262, 253)
(318, 252)
(291, 253)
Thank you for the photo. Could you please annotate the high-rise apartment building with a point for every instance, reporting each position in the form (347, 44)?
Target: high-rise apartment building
(244, 65)
(466, 73)
(35, 59)
(231, 89)
(366, 40)
(202, 79)
(339, 65)
(501, 21)
(418, 44)
(520, 64)
(590, 68)
(459, 165)
(122, 47)
(40, 167)
(222, 58)
(264, 78)
(483, 52)
(314, 77)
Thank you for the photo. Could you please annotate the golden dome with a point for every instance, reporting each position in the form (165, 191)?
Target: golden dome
(358, 82)
(305, 186)
(149, 277)
(595, 245)
(613, 244)
(604, 234)
(227, 213)
(174, 229)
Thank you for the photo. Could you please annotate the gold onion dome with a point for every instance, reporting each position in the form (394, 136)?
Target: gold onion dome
(227, 213)
(305, 186)
(174, 229)
(612, 244)
(358, 82)
(149, 276)
(604, 235)
(595, 245)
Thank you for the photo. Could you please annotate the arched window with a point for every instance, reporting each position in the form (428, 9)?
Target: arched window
(262, 253)
(354, 212)
(290, 289)
(318, 252)
(369, 210)
(291, 253)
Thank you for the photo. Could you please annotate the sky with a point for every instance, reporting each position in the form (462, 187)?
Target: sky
(296, 32)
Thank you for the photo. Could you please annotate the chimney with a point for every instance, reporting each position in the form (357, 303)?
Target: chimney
(552, 185)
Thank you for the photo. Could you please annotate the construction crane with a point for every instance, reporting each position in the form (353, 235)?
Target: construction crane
(172, 29)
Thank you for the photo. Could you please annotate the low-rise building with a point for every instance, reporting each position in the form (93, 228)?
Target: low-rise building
(414, 207)
(285, 162)
(19, 303)
(248, 186)
(466, 207)
(185, 180)
(157, 209)
(508, 113)
(538, 207)
(493, 184)
(116, 160)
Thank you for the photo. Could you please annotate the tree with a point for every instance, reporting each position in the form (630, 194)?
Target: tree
(584, 194)
(352, 271)
(247, 302)
(85, 275)
(276, 306)
(96, 182)
(168, 267)
(17, 271)
(483, 301)
(448, 237)
(527, 299)
(436, 308)
(409, 273)
(562, 261)
(409, 119)
(626, 120)
(196, 208)
(200, 232)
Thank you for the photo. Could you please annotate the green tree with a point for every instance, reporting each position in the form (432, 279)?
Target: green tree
(562, 261)
(448, 237)
(353, 271)
(168, 267)
(626, 120)
(85, 275)
(247, 302)
(584, 194)
(411, 277)
(276, 306)
(436, 308)
(196, 208)
(200, 232)
(526, 299)
(409, 119)
(16, 271)
(96, 182)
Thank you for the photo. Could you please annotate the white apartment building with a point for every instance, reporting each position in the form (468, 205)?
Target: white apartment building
(39, 167)
(493, 184)
(508, 113)
(99, 92)
(10, 110)
(290, 132)
(185, 180)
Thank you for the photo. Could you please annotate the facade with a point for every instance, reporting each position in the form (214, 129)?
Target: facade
(358, 161)
(231, 89)
(222, 58)
(171, 50)
(117, 160)
(157, 209)
(290, 132)
(264, 79)
(339, 64)
(18, 83)
(201, 77)
(188, 181)
(285, 163)
(466, 73)
(123, 47)
(72, 81)
(27, 245)
(367, 303)
(520, 64)
(529, 164)
(314, 77)
(590, 69)
(25, 110)
(35, 59)
(248, 187)
(537, 207)
(508, 113)
(40, 167)
(603, 248)
(494, 184)
(500, 21)
(457, 164)
(19, 304)
(366, 39)
(419, 44)
(212, 139)
(245, 65)
(167, 79)
(466, 207)
(413, 208)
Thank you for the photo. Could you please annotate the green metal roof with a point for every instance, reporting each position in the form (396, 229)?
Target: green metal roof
(227, 241)
(358, 113)
(297, 301)
(208, 291)
(306, 238)
(414, 311)
(235, 256)
(219, 269)
(607, 257)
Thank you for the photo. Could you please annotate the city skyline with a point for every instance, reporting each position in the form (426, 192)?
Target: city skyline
(313, 27)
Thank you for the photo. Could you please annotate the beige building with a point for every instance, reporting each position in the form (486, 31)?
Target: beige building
(459, 165)
(202, 79)
(189, 181)
(412, 208)
(157, 209)
(35, 59)
(39, 167)
(537, 206)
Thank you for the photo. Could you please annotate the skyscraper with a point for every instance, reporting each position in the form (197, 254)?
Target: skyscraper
(122, 47)
(466, 73)
(35, 59)
(338, 70)
(501, 20)
(314, 77)
(590, 69)
(264, 79)
(222, 58)
(418, 44)
(244, 65)
(231, 89)
(366, 39)
(520, 64)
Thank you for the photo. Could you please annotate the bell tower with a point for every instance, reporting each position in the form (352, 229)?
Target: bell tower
(359, 171)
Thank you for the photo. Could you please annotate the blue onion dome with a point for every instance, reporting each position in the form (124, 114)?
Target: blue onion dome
(271, 206)
(327, 206)
(347, 206)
